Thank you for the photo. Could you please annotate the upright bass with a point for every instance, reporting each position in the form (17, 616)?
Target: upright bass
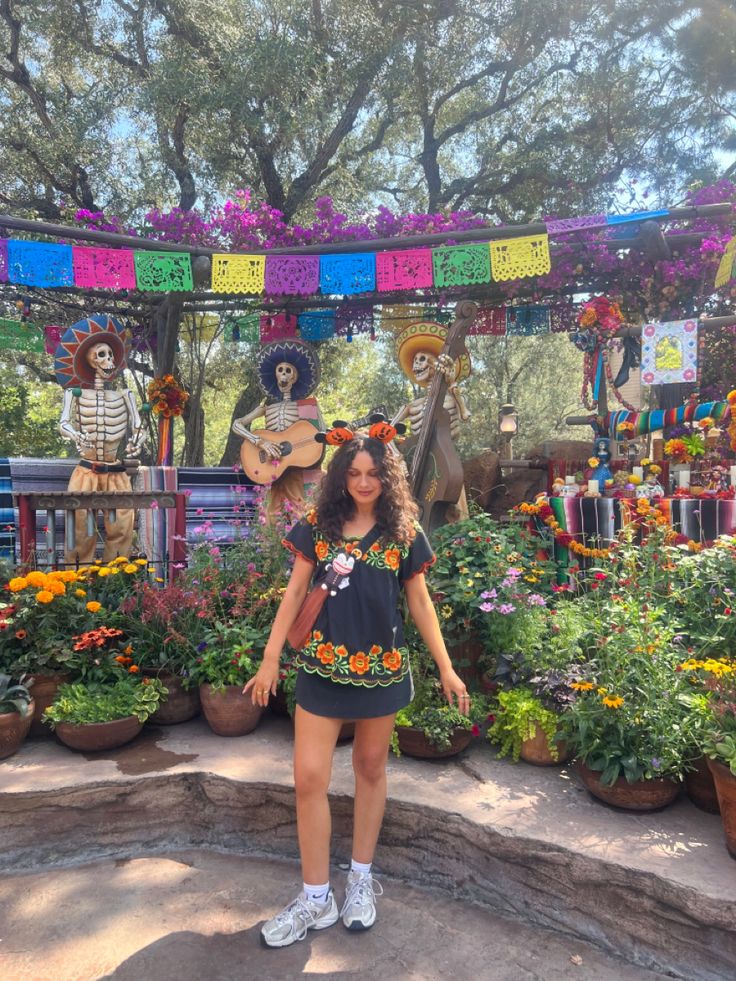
(435, 468)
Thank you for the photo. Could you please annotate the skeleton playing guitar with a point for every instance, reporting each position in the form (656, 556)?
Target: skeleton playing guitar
(298, 448)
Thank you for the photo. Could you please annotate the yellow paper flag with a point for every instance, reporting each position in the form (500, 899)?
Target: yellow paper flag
(238, 273)
(725, 266)
(515, 258)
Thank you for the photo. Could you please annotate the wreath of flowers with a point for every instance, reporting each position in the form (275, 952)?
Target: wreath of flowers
(563, 538)
(167, 397)
(599, 319)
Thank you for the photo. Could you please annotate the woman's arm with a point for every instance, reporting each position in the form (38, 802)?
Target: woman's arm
(424, 616)
(296, 590)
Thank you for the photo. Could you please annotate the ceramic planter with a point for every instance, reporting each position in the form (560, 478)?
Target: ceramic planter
(643, 795)
(228, 711)
(413, 742)
(537, 752)
(13, 730)
(725, 783)
(701, 787)
(94, 737)
(181, 703)
(44, 689)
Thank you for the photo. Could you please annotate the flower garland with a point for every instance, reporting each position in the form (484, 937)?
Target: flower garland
(167, 397)
(731, 399)
(599, 319)
(563, 538)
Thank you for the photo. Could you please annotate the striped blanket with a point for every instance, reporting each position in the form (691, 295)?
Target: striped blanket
(7, 518)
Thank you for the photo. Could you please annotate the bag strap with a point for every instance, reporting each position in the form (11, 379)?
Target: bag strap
(363, 545)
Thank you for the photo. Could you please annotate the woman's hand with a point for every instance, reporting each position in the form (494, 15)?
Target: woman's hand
(263, 684)
(455, 690)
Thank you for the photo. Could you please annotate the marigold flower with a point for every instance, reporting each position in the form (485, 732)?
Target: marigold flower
(359, 663)
(134, 669)
(80, 592)
(103, 572)
(140, 561)
(93, 606)
(44, 596)
(392, 659)
(36, 578)
(56, 587)
(17, 584)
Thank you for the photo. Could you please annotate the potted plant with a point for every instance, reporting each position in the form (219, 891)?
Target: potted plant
(36, 629)
(99, 715)
(525, 728)
(16, 712)
(227, 660)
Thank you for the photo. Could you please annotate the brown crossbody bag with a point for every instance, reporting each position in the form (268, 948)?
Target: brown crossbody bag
(334, 579)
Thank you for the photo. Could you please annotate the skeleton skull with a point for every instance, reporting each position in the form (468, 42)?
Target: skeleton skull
(286, 376)
(423, 366)
(101, 358)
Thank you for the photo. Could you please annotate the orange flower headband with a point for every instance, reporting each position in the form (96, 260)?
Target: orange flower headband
(380, 429)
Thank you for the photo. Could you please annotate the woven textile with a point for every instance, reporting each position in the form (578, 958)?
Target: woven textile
(528, 320)
(562, 226)
(34, 474)
(7, 518)
(316, 325)
(3, 260)
(727, 265)
(407, 270)
(490, 320)
(238, 273)
(277, 326)
(288, 274)
(156, 525)
(517, 258)
(163, 271)
(346, 274)
(40, 264)
(461, 265)
(221, 504)
(104, 268)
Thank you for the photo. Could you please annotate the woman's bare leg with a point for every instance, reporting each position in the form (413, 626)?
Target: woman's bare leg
(370, 749)
(315, 738)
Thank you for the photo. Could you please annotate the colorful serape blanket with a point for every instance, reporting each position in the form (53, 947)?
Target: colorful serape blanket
(156, 525)
(221, 503)
(7, 518)
(34, 474)
(700, 519)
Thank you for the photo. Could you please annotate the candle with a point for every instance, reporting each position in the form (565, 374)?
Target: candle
(733, 476)
(638, 472)
(593, 487)
(683, 478)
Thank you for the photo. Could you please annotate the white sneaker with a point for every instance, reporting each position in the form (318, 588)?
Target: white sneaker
(359, 909)
(292, 923)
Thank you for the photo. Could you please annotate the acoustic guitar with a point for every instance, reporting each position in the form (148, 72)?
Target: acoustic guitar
(298, 448)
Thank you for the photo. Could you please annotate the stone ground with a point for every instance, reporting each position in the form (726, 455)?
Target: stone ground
(161, 859)
(191, 915)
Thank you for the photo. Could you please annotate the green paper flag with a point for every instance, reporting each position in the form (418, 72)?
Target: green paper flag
(461, 265)
(163, 271)
(17, 336)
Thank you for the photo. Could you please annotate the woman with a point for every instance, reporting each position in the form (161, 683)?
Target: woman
(354, 666)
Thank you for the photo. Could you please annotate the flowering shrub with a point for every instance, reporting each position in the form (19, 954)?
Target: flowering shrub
(717, 677)
(519, 714)
(230, 654)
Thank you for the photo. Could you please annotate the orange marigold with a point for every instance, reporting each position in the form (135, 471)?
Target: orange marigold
(391, 557)
(326, 653)
(392, 659)
(360, 663)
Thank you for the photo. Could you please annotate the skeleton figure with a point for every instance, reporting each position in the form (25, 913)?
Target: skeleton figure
(288, 371)
(424, 365)
(97, 419)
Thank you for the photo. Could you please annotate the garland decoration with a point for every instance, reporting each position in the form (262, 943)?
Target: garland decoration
(563, 538)
(599, 319)
(167, 397)
(731, 399)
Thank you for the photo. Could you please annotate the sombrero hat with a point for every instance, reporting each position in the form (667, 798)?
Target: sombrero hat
(298, 353)
(430, 337)
(70, 365)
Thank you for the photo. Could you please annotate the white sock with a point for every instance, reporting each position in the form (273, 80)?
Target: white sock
(364, 868)
(317, 894)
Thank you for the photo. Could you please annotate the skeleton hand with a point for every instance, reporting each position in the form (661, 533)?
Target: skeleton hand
(82, 441)
(273, 449)
(446, 365)
(135, 443)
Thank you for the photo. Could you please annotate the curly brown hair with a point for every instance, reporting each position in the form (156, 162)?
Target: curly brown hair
(396, 510)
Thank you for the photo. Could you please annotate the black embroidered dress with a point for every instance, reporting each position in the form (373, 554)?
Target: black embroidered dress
(355, 664)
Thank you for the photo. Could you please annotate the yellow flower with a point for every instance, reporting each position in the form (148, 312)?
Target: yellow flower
(80, 592)
(56, 587)
(103, 572)
(158, 579)
(645, 462)
(140, 561)
(582, 685)
(36, 578)
(613, 702)
(93, 606)
(593, 461)
(601, 691)
(446, 612)
(113, 572)
(118, 561)
(635, 479)
(44, 596)
(17, 584)
(130, 568)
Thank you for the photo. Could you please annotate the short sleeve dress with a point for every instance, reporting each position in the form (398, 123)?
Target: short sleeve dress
(355, 664)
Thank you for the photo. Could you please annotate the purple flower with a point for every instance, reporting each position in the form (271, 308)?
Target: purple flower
(535, 599)
(513, 573)
(506, 608)
(656, 764)
(202, 646)
(487, 607)
(489, 594)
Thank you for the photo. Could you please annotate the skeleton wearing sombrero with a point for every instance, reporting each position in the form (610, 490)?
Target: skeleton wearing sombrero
(97, 419)
(288, 371)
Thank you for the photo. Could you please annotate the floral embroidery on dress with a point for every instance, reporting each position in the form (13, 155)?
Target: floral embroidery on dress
(374, 667)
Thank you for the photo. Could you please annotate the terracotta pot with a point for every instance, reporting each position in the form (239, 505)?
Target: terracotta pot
(701, 787)
(181, 703)
(413, 742)
(13, 730)
(643, 795)
(725, 783)
(93, 737)
(228, 711)
(536, 750)
(44, 689)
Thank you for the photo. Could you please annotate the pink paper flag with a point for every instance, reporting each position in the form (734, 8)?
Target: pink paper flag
(103, 268)
(410, 269)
